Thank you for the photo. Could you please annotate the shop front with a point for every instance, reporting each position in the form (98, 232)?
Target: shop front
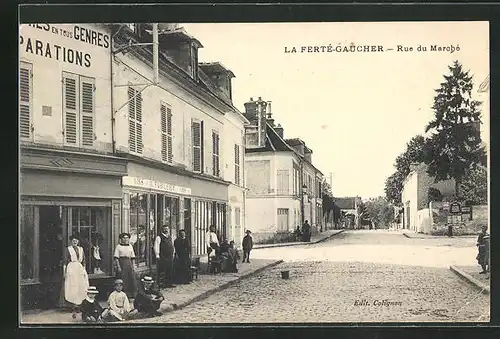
(153, 197)
(63, 194)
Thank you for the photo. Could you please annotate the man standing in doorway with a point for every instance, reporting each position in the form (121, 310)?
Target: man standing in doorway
(247, 245)
(164, 250)
(212, 242)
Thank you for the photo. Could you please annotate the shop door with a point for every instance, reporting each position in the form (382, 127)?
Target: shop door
(282, 219)
(51, 244)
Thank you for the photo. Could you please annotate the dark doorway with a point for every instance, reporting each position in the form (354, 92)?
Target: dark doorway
(51, 254)
(51, 244)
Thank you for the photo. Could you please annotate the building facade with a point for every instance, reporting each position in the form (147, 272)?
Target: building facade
(105, 151)
(414, 195)
(182, 140)
(70, 180)
(349, 211)
(284, 187)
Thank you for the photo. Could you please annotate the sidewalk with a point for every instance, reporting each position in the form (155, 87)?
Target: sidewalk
(175, 298)
(317, 238)
(414, 235)
(471, 275)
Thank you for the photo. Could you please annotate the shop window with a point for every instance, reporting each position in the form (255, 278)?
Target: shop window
(137, 229)
(91, 224)
(171, 215)
(27, 242)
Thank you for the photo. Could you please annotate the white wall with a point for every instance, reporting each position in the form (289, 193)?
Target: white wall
(184, 108)
(52, 50)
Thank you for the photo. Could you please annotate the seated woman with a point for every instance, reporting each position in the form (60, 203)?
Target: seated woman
(118, 303)
(148, 300)
(92, 312)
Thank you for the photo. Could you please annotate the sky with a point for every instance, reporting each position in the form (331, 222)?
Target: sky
(356, 111)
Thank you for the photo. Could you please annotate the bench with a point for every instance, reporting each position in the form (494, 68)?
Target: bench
(194, 267)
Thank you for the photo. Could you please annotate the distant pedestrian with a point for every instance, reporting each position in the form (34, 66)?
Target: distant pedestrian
(164, 250)
(306, 231)
(212, 242)
(247, 245)
(483, 245)
(76, 280)
(182, 259)
(297, 233)
(125, 262)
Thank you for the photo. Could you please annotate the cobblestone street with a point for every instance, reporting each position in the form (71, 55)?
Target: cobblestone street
(357, 276)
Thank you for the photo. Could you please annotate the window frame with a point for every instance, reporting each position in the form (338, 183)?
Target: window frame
(135, 105)
(200, 146)
(166, 116)
(216, 172)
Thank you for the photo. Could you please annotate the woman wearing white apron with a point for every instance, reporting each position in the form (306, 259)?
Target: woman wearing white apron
(76, 280)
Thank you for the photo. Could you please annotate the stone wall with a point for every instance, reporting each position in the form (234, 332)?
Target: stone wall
(470, 223)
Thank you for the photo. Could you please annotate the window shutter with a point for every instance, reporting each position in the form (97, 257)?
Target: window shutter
(237, 164)
(215, 153)
(196, 132)
(87, 88)
(131, 119)
(164, 146)
(25, 90)
(138, 116)
(170, 152)
(71, 116)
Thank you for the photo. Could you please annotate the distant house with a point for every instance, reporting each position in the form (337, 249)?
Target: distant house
(284, 188)
(414, 195)
(349, 210)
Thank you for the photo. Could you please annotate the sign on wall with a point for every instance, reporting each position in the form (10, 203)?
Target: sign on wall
(154, 185)
(44, 45)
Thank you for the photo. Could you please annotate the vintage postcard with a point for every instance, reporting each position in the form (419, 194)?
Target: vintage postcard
(254, 172)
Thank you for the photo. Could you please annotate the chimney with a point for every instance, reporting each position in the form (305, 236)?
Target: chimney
(255, 112)
(279, 130)
(270, 119)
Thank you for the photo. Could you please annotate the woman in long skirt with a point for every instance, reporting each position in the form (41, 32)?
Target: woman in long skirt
(125, 259)
(76, 280)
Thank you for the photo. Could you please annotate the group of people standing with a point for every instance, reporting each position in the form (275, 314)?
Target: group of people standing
(173, 266)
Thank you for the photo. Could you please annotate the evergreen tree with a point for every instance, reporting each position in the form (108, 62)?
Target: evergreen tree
(455, 146)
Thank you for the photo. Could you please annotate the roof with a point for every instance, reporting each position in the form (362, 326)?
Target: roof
(179, 33)
(216, 67)
(345, 203)
(275, 143)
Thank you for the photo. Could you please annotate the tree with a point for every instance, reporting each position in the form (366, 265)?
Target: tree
(455, 146)
(381, 212)
(433, 194)
(474, 186)
(416, 152)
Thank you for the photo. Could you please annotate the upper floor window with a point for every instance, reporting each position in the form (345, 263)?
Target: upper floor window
(283, 182)
(215, 153)
(237, 170)
(197, 144)
(25, 100)
(79, 110)
(166, 133)
(135, 121)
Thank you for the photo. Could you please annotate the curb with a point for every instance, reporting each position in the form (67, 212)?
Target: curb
(406, 235)
(219, 288)
(473, 281)
(298, 243)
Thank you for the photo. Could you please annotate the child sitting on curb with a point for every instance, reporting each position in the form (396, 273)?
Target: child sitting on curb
(119, 305)
(149, 299)
(92, 312)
